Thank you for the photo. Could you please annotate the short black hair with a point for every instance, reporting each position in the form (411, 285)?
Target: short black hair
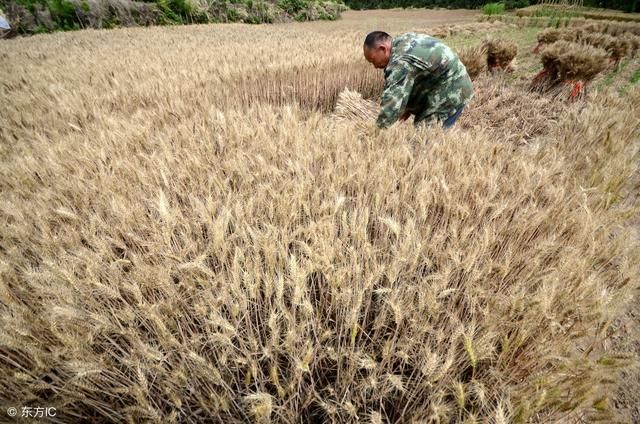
(375, 38)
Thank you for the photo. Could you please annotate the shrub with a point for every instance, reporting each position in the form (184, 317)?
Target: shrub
(515, 4)
(292, 6)
(64, 13)
(493, 9)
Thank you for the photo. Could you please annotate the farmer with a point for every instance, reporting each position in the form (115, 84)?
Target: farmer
(423, 77)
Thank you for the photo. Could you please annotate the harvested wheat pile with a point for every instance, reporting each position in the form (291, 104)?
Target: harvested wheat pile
(567, 67)
(634, 41)
(582, 65)
(598, 40)
(611, 27)
(474, 59)
(500, 53)
(620, 48)
(566, 61)
(617, 47)
(573, 34)
(352, 107)
(549, 35)
(618, 28)
(593, 27)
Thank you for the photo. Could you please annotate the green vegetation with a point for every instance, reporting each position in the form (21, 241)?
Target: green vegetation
(555, 13)
(611, 77)
(64, 13)
(38, 16)
(292, 6)
(493, 9)
(635, 77)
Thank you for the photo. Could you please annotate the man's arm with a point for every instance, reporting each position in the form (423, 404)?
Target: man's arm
(397, 89)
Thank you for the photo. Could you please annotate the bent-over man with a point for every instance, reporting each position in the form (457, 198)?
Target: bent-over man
(423, 77)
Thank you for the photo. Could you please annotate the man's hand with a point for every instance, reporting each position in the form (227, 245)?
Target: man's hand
(405, 115)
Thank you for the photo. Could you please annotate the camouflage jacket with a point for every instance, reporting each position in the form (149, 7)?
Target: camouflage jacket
(423, 77)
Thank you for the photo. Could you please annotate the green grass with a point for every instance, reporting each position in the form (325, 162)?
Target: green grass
(635, 78)
(554, 13)
(493, 9)
(612, 76)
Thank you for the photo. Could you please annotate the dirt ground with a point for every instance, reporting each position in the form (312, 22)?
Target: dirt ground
(393, 20)
(435, 17)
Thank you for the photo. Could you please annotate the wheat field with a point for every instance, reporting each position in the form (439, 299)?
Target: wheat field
(188, 234)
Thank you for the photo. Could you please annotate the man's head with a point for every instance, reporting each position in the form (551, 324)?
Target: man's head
(377, 48)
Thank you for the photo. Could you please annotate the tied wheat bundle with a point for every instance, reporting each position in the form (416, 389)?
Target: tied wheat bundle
(594, 27)
(614, 28)
(582, 63)
(634, 42)
(620, 48)
(549, 35)
(500, 53)
(352, 107)
(617, 47)
(598, 40)
(619, 28)
(573, 34)
(570, 34)
(570, 63)
(474, 59)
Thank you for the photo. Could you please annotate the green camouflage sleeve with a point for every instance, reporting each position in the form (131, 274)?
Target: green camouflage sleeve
(397, 89)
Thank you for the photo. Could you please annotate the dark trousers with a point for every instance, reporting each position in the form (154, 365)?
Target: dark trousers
(448, 123)
(452, 119)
